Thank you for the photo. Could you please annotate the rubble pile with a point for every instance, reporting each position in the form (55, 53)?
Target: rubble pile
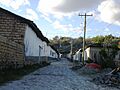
(91, 68)
(76, 67)
(110, 79)
(87, 70)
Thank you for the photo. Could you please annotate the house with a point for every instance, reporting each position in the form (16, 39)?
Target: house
(21, 41)
(78, 55)
(92, 52)
(69, 55)
(37, 46)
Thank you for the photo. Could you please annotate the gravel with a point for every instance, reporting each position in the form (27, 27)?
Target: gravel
(57, 76)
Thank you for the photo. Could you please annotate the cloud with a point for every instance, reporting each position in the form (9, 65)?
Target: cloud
(46, 6)
(30, 14)
(110, 11)
(75, 5)
(46, 18)
(5, 2)
(58, 25)
(66, 28)
(107, 30)
(15, 4)
(62, 8)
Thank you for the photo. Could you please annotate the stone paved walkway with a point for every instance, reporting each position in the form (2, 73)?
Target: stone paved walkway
(57, 76)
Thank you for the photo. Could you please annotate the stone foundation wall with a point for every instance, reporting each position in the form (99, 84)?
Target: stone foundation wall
(35, 59)
(11, 54)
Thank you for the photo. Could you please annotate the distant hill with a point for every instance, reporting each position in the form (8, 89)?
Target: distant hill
(63, 44)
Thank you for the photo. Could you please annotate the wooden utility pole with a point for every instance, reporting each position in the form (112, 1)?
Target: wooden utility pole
(71, 51)
(71, 48)
(39, 61)
(85, 15)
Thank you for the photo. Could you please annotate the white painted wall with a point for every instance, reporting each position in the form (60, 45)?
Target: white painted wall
(77, 55)
(53, 53)
(32, 43)
(69, 55)
(93, 53)
(45, 49)
(87, 52)
(95, 50)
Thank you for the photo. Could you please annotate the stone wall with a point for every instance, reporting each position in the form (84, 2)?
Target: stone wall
(12, 31)
(12, 27)
(35, 59)
(11, 54)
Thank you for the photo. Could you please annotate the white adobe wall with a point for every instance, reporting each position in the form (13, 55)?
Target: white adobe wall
(54, 53)
(69, 55)
(77, 55)
(74, 57)
(95, 51)
(48, 51)
(45, 49)
(32, 43)
(87, 53)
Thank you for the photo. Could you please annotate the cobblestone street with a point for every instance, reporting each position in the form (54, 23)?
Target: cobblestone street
(56, 76)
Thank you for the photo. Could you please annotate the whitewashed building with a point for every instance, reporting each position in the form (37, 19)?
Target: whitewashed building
(25, 41)
(92, 52)
(37, 46)
(69, 55)
(78, 55)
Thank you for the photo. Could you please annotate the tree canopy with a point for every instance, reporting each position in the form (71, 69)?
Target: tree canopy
(63, 44)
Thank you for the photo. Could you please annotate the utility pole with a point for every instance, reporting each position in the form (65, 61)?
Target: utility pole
(39, 61)
(85, 15)
(59, 46)
(71, 48)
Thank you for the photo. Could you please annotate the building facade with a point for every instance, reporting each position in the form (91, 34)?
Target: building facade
(92, 52)
(21, 38)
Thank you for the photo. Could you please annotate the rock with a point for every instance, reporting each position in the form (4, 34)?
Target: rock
(76, 67)
(108, 79)
(87, 70)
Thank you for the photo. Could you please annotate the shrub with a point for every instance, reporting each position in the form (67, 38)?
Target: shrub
(107, 57)
(89, 60)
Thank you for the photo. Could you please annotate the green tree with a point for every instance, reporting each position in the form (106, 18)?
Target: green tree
(106, 58)
(98, 39)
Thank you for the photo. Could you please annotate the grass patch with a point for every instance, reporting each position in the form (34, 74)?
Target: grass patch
(16, 74)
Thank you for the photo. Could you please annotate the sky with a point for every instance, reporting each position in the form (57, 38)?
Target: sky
(61, 17)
